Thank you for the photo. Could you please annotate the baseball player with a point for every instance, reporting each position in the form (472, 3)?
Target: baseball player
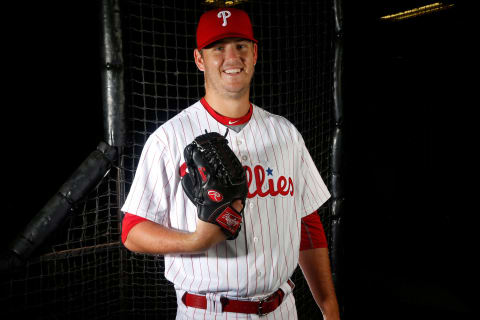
(246, 276)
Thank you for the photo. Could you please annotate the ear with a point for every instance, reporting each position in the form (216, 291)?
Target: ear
(198, 60)
(255, 53)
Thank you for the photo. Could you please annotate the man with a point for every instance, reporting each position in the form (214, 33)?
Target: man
(249, 276)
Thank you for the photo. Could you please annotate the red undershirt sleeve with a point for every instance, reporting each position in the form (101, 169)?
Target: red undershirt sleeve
(128, 222)
(313, 235)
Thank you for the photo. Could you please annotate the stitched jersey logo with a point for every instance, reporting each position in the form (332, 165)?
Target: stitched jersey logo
(262, 187)
(224, 15)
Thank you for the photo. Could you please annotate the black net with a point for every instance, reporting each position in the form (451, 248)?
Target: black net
(85, 272)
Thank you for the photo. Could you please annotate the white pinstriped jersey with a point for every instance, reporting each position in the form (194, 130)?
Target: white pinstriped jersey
(284, 186)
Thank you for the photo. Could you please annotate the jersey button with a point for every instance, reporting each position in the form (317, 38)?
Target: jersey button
(255, 239)
(244, 158)
(251, 205)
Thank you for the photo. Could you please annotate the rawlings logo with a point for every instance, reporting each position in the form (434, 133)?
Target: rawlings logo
(215, 195)
(224, 15)
(229, 219)
(281, 187)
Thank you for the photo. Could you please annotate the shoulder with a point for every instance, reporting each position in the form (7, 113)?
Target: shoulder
(277, 121)
(168, 131)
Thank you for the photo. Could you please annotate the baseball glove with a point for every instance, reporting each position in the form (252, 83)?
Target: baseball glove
(214, 179)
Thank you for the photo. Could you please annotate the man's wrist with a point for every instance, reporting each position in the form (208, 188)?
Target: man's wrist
(195, 243)
(330, 310)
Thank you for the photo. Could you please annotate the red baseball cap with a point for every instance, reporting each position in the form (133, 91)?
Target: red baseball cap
(223, 23)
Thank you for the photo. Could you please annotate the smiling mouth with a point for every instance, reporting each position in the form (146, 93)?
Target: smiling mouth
(233, 71)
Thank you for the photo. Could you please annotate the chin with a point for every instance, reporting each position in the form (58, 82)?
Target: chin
(235, 93)
(236, 87)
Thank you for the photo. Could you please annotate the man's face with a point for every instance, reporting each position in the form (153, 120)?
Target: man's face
(228, 66)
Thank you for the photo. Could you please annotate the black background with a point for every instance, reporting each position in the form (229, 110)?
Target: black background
(52, 115)
(408, 119)
(408, 122)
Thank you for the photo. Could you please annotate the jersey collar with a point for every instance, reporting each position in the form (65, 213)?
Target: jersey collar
(226, 120)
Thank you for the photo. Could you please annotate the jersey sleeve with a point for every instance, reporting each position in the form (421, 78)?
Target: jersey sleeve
(313, 234)
(312, 192)
(150, 189)
(130, 220)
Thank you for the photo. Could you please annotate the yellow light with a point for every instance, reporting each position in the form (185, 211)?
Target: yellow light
(434, 7)
(226, 3)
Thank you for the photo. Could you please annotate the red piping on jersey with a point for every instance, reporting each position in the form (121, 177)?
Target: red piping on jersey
(226, 120)
(313, 235)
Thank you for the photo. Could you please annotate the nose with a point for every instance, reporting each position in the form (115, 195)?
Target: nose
(231, 52)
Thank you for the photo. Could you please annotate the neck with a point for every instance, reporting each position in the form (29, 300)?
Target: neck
(229, 107)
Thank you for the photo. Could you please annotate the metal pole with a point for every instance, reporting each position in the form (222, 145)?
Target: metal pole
(338, 197)
(114, 103)
(112, 74)
(50, 217)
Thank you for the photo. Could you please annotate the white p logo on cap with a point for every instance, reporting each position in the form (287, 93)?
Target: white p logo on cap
(224, 15)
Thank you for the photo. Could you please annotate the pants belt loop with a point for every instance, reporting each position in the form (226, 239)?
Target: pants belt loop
(214, 303)
(287, 287)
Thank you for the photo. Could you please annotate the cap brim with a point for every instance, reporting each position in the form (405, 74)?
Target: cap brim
(224, 36)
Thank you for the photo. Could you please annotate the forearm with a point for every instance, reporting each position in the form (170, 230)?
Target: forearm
(153, 238)
(315, 265)
(150, 237)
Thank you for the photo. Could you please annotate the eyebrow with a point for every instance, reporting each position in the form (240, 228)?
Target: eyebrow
(221, 41)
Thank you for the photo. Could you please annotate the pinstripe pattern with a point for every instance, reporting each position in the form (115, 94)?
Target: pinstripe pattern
(284, 186)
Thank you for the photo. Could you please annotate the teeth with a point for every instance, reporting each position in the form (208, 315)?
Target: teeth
(232, 71)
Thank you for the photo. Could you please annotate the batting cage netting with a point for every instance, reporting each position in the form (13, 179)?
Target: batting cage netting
(84, 272)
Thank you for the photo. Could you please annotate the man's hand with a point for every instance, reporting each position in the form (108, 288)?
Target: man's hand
(207, 234)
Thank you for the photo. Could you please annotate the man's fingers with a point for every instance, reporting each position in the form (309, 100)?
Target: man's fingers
(237, 205)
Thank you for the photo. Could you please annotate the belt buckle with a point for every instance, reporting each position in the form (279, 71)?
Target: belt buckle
(270, 298)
